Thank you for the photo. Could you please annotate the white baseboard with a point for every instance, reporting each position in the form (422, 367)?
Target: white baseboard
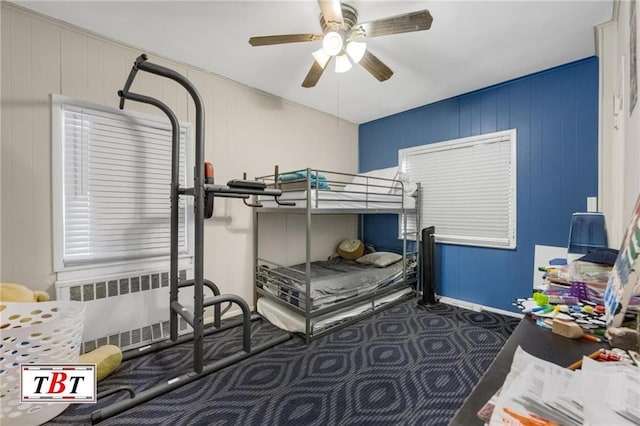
(208, 319)
(476, 307)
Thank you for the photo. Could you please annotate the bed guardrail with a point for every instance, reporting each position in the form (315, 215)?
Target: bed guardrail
(325, 189)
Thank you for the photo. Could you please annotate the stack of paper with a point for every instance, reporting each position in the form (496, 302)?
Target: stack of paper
(540, 393)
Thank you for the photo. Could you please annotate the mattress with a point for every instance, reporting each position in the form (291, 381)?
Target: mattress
(330, 281)
(289, 320)
(324, 199)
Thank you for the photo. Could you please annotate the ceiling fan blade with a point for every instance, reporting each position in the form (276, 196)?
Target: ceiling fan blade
(414, 21)
(314, 74)
(332, 13)
(284, 38)
(375, 66)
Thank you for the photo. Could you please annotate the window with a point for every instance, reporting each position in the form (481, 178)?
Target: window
(111, 185)
(468, 188)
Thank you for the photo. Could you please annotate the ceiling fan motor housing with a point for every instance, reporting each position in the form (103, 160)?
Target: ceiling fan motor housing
(349, 19)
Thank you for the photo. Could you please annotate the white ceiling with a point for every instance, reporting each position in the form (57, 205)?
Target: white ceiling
(471, 45)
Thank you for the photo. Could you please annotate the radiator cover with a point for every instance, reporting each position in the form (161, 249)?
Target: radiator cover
(128, 311)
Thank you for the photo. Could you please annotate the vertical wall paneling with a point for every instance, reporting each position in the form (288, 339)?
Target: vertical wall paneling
(6, 165)
(246, 130)
(116, 63)
(217, 112)
(21, 142)
(95, 71)
(489, 112)
(584, 122)
(1, 135)
(45, 81)
(629, 120)
(552, 162)
(75, 59)
(555, 114)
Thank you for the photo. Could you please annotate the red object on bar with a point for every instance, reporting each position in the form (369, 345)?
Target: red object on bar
(208, 170)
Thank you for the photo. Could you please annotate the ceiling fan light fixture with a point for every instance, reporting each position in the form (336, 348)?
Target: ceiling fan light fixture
(356, 49)
(343, 64)
(321, 57)
(343, 37)
(332, 43)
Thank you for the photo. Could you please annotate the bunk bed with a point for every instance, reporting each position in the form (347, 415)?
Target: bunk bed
(318, 296)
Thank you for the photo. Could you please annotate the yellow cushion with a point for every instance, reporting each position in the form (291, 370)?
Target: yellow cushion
(106, 358)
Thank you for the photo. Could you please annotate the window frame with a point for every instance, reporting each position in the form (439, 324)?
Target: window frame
(107, 267)
(510, 136)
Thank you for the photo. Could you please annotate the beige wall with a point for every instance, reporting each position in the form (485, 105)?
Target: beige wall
(246, 130)
(631, 125)
(619, 161)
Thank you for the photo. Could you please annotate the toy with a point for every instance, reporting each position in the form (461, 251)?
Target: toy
(106, 358)
(541, 299)
(351, 249)
(10, 292)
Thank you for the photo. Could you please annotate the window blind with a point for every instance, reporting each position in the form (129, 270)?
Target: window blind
(468, 188)
(116, 185)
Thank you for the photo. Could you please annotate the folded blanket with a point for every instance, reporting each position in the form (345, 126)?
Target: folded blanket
(317, 179)
(302, 174)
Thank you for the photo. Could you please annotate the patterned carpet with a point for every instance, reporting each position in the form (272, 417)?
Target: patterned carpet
(404, 366)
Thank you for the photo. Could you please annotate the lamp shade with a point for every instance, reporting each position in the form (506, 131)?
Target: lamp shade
(355, 50)
(332, 43)
(588, 232)
(343, 64)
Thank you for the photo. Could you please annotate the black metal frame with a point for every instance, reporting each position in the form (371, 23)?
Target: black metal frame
(309, 210)
(200, 191)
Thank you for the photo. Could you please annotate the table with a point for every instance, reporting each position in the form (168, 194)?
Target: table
(539, 342)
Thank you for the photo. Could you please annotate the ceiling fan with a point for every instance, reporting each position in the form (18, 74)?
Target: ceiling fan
(343, 38)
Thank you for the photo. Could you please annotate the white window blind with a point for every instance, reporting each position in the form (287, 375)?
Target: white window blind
(468, 188)
(114, 169)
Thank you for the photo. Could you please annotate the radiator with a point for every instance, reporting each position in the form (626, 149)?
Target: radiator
(128, 311)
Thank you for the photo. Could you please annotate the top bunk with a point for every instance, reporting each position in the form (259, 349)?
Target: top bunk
(324, 191)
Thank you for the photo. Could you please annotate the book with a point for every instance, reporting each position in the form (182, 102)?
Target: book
(625, 276)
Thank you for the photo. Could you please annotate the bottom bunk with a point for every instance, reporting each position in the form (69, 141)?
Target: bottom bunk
(337, 291)
(287, 319)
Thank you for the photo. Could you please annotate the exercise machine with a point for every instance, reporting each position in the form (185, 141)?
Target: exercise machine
(203, 192)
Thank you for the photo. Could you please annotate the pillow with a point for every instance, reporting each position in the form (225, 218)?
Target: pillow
(374, 177)
(358, 184)
(408, 185)
(381, 259)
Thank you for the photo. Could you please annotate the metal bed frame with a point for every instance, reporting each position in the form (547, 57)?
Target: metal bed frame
(203, 193)
(314, 206)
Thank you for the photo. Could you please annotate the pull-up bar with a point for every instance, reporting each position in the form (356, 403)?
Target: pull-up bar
(200, 191)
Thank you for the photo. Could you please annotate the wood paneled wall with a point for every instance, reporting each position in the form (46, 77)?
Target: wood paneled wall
(555, 113)
(246, 130)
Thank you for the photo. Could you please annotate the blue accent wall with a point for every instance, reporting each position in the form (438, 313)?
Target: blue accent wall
(555, 113)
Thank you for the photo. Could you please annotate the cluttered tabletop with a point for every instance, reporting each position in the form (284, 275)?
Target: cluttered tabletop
(573, 359)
